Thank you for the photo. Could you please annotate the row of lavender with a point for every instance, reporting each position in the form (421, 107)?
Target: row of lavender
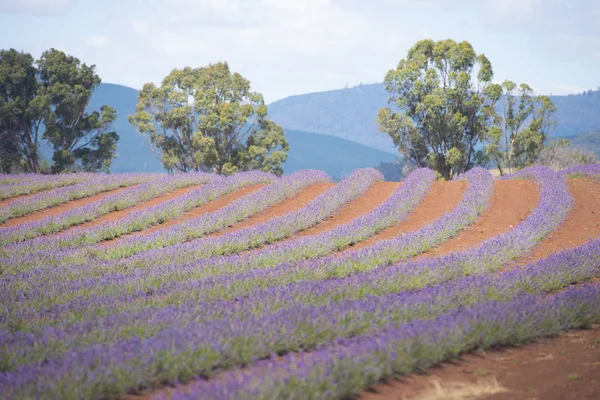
(84, 298)
(183, 364)
(115, 202)
(93, 185)
(23, 184)
(106, 390)
(323, 206)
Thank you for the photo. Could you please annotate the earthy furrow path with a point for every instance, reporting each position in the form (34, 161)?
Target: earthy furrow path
(511, 202)
(117, 215)
(209, 207)
(364, 204)
(294, 203)
(60, 208)
(442, 198)
(581, 225)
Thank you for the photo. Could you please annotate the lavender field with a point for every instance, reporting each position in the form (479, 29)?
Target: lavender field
(253, 286)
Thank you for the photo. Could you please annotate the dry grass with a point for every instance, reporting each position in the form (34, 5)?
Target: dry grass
(460, 390)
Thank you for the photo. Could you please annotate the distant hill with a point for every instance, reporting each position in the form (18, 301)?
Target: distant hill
(333, 155)
(350, 114)
(588, 140)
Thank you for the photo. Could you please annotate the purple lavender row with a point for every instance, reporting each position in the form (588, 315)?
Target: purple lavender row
(115, 202)
(273, 287)
(278, 228)
(115, 289)
(17, 185)
(392, 211)
(347, 367)
(238, 210)
(307, 322)
(99, 183)
(190, 348)
(144, 218)
(590, 171)
(396, 208)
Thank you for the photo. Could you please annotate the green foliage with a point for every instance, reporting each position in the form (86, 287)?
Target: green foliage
(518, 133)
(51, 96)
(561, 154)
(21, 115)
(206, 119)
(441, 114)
(393, 171)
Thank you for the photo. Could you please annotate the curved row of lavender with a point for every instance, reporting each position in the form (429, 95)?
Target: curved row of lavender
(130, 291)
(116, 290)
(294, 323)
(17, 185)
(115, 202)
(272, 230)
(589, 170)
(280, 190)
(394, 209)
(141, 219)
(179, 347)
(349, 366)
(95, 185)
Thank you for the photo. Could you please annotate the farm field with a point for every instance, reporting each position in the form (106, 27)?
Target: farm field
(252, 286)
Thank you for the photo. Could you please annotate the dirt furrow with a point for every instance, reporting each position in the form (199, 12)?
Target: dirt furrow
(209, 207)
(511, 202)
(60, 208)
(117, 215)
(292, 204)
(581, 225)
(442, 198)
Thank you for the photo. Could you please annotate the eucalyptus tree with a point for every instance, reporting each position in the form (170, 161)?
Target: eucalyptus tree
(208, 119)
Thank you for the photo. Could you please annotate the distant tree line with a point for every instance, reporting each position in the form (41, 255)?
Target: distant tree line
(46, 100)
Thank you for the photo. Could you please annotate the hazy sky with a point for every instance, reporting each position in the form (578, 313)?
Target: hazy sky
(287, 47)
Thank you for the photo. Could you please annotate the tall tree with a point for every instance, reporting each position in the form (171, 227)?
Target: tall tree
(519, 132)
(21, 111)
(442, 107)
(81, 140)
(208, 119)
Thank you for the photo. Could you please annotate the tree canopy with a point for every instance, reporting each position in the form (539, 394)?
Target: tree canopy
(443, 105)
(208, 119)
(48, 100)
(518, 133)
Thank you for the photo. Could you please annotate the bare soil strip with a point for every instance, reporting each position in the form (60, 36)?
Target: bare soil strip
(60, 208)
(581, 225)
(294, 203)
(560, 368)
(209, 207)
(512, 201)
(372, 198)
(442, 198)
(117, 215)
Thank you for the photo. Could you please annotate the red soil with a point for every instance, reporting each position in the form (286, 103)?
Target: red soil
(511, 203)
(209, 207)
(441, 199)
(373, 197)
(60, 208)
(292, 204)
(581, 225)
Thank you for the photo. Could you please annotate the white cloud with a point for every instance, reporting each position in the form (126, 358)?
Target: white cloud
(97, 41)
(36, 7)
